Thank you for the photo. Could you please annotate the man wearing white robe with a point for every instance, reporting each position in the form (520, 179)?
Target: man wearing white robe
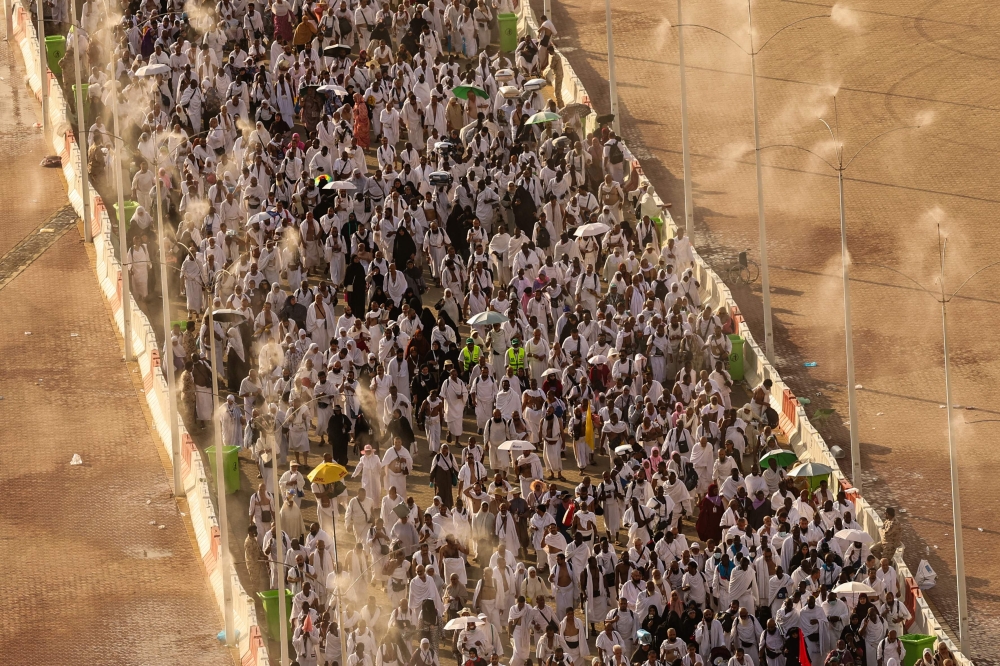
(370, 470)
(396, 462)
(139, 265)
(837, 616)
(745, 634)
(483, 391)
(743, 585)
(423, 587)
(455, 394)
(709, 635)
(772, 646)
(812, 621)
(520, 631)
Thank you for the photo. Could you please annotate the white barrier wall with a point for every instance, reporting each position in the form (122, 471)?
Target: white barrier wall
(805, 440)
(193, 468)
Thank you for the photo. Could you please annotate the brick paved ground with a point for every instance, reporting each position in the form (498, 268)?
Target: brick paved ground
(87, 578)
(891, 64)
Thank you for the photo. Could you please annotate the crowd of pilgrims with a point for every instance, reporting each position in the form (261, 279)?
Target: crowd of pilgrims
(602, 351)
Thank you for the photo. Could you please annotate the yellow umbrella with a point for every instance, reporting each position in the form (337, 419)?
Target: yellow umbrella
(327, 473)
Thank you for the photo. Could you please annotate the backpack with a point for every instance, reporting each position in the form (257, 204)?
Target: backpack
(542, 233)
(615, 154)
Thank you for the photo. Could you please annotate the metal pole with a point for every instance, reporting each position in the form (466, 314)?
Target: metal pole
(81, 131)
(685, 147)
(8, 17)
(43, 66)
(122, 232)
(956, 503)
(765, 279)
(166, 363)
(282, 611)
(547, 9)
(612, 79)
(220, 491)
(852, 404)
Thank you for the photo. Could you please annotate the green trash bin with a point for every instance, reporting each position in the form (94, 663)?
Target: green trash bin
(86, 99)
(55, 49)
(915, 645)
(230, 466)
(508, 32)
(130, 207)
(269, 599)
(736, 358)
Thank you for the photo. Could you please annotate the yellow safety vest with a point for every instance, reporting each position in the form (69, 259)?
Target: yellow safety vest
(515, 358)
(469, 360)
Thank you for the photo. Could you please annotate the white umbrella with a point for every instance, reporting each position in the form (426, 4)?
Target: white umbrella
(855, 536)
(153, 70)
(517, 446)
(600, 359)
(340, 185)
(262, 217)
(336, 90)
(853, 587)
(551, 371)
(592, 229)
(462, 622)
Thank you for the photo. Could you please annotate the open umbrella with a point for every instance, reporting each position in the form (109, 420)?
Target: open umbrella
(460, 623)
(517, 446)
(228, 316)
(337, 51)
(463, 92)
(623, 450)
(600, 359)
(340, 185)
(263, 217)
(487, 318)
(510, 92)
(551, 371)
(810, 469)
(330, 88)
(153, 70)
(543, 117)
(575, 109)
(853, 587)
(783, 458)
(855, 536)
(401, 510)
(326, 472)
(592, 229)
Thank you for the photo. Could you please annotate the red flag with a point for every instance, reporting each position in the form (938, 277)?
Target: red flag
(803, 652)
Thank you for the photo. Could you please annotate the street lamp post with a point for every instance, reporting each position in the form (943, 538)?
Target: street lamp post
(762, 226)
(612, 79)
(43, 65)
(943, 298)
(685, 146)
(845, 261)
(81, 130)
(122, 232)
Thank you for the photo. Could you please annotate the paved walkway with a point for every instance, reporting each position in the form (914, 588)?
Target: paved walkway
(890, 64)
(89, 576)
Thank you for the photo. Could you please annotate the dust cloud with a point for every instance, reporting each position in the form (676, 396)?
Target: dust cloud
(846, 17)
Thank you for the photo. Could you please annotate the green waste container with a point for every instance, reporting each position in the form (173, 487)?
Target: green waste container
(270, 600)
(55, 49)
(130, 207)
(508, 32)
(86, 99)
(230, 466)
(915, 645)
(736, 358)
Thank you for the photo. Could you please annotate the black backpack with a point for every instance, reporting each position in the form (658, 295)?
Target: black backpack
(543, 239)
(615, 154)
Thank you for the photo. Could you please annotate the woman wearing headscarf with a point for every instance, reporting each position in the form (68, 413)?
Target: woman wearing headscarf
(710, 515)
(404, 249)
(362, 124)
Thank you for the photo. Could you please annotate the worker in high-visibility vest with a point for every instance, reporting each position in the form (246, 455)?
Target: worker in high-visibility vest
(468, 357)
(516, 356)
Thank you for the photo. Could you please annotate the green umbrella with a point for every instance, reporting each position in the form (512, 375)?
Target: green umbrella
(543, 117)
(463, 92)
(783, 458)
(810, 469)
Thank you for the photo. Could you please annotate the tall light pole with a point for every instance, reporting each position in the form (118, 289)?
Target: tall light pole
(220, 480)
(685, 146)
(122, 231)
(761, 222)
(43, 65)
(81, 130)
(943, 298)
(845, 261)
(612, 79)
